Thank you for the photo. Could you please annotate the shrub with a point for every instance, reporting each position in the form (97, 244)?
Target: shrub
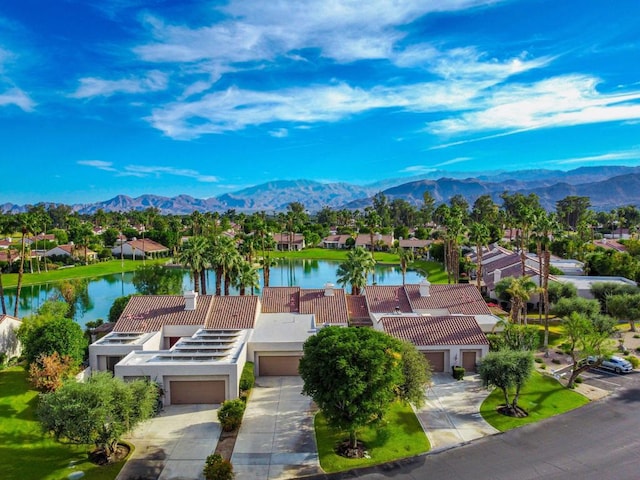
(458, 373)
(217, 468)
(636, 335)
(635, 361)
(230, 414)
(48, 372)
(556, 361)
(247, 378)
(538, 360)
(579, 380)
(543, 366)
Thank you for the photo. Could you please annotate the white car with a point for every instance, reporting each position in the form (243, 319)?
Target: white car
(617, 364)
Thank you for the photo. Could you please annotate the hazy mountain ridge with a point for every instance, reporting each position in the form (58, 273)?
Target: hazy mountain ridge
(607, 187)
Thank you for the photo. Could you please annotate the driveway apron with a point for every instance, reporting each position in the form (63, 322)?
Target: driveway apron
(173, 445)
(276, 439)
(451, 415)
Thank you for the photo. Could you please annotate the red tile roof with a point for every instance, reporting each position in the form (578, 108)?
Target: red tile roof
(283, 238)
(149, 313)
(382, 298)
(357, 306)
(280, 299)
(327, 309)
(147, 245)
(456, 299)
(232, 312)
(427, 331)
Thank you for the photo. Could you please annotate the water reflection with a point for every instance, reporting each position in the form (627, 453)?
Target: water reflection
(96, 295)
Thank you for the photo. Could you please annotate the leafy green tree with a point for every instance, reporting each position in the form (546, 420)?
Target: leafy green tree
(584, 339)
(117, 308)
(565, 306)
(517, 291)
(99, 411)
(571, 209)
(520, 337)
(625, 307)
(558, 290)
(416, 372)
(58, 334)
(157, 280)
(246, 276)
(353, 375)
(601, 291)
(507, 369)
(193, 255)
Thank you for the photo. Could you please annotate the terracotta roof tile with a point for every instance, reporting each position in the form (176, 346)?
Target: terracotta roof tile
(147, 245)
(280, 299)
(357, 306)
(327, 309)
(233, 312)
(425, 330)
(383, 299)
(149, 313)
(456, 299)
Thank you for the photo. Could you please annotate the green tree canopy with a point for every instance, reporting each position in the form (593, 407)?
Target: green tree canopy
(157, 280)
(565, 306)
(118, 307)
(507, 369)
(354, 374)
(625, 307)
(97, 412)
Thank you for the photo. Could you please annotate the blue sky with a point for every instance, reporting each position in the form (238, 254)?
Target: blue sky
(101, 97)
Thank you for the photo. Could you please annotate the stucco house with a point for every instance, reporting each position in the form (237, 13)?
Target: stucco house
(9, 343)
(71, 250)
(137, 248)
(195, 346)
(289, 242)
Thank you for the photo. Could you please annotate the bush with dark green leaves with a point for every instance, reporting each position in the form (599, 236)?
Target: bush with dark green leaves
(635, 361)
(458, 373)
(247, 378)
(230, 414)
(217, 468)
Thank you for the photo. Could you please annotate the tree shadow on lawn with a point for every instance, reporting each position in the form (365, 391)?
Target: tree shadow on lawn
(40, 462)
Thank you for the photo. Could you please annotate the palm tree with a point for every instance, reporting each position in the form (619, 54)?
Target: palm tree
(479, 235)
(245, 276)
(354, 270)
(406, 257)
(6, 226)
(25, 223)
(518, 290)
(193, 256)
(223, 257)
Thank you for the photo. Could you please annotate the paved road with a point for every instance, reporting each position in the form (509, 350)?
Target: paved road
(600, 440)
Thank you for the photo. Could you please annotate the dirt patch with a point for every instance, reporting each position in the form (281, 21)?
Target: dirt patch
(226, 444)
(99, 457)
(512, 412)
(345, 449)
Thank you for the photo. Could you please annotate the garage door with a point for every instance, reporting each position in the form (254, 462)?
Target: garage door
(279, 365)
(436, 359)
(469, 361)
(201, 391)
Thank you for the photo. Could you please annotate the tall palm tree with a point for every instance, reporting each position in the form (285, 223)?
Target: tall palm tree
(25, 222)
(355, 269)
(406, 257)
(479, 236)
(520, 290)
(193, 256)
(245, 276)
(223, 256)
(6, 226)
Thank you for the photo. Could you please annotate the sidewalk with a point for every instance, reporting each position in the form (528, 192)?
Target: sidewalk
(451, 415)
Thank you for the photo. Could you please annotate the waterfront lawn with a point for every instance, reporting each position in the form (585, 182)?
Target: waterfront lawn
(399, 436)
(79, 271)
(25, 451)
(541, 397)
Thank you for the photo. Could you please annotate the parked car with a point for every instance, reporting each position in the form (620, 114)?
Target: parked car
(617, 364)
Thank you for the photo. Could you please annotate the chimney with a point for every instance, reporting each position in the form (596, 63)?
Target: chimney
(328, 289)
(497, 275)
(424, 288)
(190, 300)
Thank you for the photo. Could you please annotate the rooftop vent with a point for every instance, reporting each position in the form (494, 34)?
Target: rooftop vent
(328, 289)
(424, 288)
(190, 300)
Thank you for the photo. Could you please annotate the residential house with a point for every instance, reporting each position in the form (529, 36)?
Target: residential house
(196, 346)
(9, 343)
(74, 251)
(288, 242)
(361, 240)
(414, 244)
(140, 248)
(40, 238)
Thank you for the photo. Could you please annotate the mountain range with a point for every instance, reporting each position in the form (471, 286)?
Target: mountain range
(607, 187)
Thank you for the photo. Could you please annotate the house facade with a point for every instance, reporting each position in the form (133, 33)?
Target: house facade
(137, 248)
(195, 346)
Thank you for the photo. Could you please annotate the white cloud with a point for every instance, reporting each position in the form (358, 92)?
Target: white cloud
(605, 157)
(17, 97)
(453, 161)
(146, 170)
(559, 101)
(99, 164)
(279, 133)
(417, 169)
(95, 87)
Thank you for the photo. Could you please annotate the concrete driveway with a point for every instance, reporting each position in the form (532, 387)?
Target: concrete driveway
(451, 415)
(173, 445)
(276, 439)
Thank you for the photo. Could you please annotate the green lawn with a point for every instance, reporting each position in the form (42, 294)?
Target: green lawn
(28, 454)
(541, 397)
(79, 271)
(399, 436)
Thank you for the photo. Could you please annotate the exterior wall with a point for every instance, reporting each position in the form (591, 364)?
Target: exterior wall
(9, 343)
(453, 353)
(98, 353)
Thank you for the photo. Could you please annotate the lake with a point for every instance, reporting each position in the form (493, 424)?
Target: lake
(102, 291)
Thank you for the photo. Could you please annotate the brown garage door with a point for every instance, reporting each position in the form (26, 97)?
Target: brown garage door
(279, 365)
(200, 391)
(469, 361)
(436, 359)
